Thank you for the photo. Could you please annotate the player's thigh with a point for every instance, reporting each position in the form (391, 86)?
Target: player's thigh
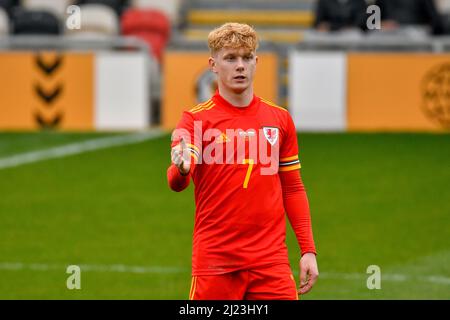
(229, 286)
(272, 283)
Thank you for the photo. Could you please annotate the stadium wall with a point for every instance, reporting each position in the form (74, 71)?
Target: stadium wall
(369, 92)
(74, 90)
(317, 95)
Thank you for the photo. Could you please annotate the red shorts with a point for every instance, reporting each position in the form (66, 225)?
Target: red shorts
(275, 282)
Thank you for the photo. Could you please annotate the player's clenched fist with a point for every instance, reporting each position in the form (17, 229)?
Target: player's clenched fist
(181, 157)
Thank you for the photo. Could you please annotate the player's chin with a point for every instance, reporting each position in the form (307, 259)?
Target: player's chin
(239, 87)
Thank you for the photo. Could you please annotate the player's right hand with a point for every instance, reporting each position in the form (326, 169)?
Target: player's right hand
(181, 157)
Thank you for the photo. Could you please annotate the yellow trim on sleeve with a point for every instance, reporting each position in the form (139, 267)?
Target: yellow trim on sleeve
(290, 168)
(194, 156)
(289, 158)
(193, 147)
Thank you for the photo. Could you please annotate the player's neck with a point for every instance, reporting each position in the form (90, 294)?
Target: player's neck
(242, 99)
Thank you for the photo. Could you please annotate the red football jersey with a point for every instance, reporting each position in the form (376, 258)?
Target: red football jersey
(238, 152)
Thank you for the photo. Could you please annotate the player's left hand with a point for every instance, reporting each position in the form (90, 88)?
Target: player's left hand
(309, 272)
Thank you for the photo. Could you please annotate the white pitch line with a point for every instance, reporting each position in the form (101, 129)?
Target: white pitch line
(439, 279)
(76, 148)
(393, 277)
(359, 276)
(121, 268)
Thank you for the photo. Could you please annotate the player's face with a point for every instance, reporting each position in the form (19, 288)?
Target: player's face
(235, 68)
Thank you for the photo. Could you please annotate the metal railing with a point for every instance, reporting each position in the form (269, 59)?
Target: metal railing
(46, 42)
(408, 40)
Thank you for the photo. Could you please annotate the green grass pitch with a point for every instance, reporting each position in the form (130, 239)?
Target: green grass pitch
(376, 199)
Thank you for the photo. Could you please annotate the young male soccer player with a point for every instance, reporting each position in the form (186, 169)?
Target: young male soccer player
(241, 152)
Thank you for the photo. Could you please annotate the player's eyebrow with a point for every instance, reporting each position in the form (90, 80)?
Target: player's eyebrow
(229, 55)
(234, 54)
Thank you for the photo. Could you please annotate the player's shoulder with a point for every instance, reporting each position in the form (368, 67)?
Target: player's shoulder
(273, 106)
(202, 107)
(278, 115)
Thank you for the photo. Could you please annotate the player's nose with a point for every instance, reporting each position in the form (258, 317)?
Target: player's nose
(240, 64)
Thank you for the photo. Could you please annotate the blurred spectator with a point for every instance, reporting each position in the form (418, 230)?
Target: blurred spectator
(59, 8)
(117, 5)
(9, 5)
(337, 15)
(443, 7)
(400, 13)
(35, 22)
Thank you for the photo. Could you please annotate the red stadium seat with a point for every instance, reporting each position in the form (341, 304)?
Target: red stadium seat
(171, 8)
(145, 19)
(155, 40)
(152, 26)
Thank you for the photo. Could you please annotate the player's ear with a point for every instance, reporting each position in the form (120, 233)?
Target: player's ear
(212, 64)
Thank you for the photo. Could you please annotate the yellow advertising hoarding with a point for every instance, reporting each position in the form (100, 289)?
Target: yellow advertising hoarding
(398, 92)
(46, 90)
(188, 81)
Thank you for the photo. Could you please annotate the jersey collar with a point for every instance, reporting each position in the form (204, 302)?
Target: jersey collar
(219, 100)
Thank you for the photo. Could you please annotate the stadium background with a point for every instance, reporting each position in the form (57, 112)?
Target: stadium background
(85, 120)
